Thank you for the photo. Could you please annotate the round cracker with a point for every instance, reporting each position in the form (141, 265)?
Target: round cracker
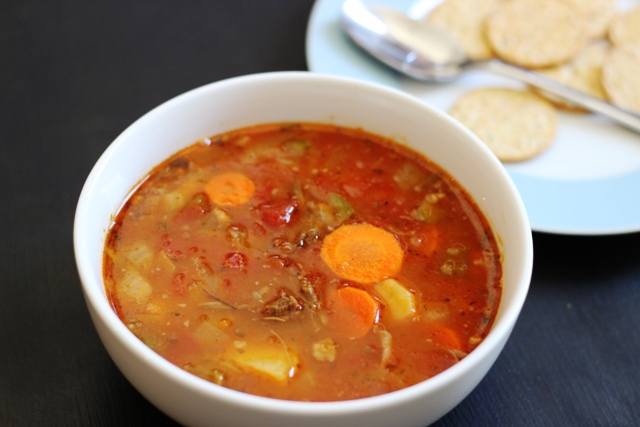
(625, 28)
(464, 20)
(514, 124)
(621, 76)
(599, 15)
(583, 72)
(537, 33)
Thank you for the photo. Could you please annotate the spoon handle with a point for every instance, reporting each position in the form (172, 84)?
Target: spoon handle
(625, 118)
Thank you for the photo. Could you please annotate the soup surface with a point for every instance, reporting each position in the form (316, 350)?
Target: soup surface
(304, 262)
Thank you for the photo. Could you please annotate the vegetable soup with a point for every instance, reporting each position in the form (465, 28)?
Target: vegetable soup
(304, 262)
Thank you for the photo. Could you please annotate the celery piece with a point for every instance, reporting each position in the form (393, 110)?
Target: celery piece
(340, 204)
(428, 212)
(297, 147)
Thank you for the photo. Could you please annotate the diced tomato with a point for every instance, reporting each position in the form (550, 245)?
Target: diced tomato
(165, 240)
(236, 261)
(316, 279)
(179, 284)
(195, 208)
(276, 214)
(171, 252)
(258, 229)
(279, 261)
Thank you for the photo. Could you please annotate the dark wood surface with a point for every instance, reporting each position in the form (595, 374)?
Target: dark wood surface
(74, 74)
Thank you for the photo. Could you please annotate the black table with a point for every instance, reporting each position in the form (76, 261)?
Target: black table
(74, 74)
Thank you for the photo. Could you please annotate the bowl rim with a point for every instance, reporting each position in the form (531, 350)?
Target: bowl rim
(99, 306)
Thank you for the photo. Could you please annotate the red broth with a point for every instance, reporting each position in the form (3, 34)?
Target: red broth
(304, 262)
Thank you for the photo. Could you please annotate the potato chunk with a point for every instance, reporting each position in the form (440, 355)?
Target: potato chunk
(173, 200)
(400, 302)
(276, 363)
(139, 255)
(134, 287)
(163, 263)
(208, 334)
(325, 350)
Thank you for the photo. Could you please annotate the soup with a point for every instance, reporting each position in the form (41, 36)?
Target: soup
(304, 262)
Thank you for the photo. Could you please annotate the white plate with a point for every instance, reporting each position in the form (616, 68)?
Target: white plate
(586, 183)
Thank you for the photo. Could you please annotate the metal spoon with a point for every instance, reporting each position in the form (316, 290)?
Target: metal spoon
(426, 53)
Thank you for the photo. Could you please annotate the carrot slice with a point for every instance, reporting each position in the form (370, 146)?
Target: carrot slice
(362, 253)
(230, 189)
(427, 239)
(354, 311)
(445, 337)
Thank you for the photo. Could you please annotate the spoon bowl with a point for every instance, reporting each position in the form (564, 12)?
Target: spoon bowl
(423, 52)
(426, 53)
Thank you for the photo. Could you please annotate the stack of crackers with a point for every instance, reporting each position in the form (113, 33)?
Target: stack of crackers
(588, 45)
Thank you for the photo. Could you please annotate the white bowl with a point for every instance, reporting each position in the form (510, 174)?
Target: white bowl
(289, 97)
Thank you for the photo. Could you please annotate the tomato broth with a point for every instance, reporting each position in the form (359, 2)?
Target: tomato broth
(304, 262)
